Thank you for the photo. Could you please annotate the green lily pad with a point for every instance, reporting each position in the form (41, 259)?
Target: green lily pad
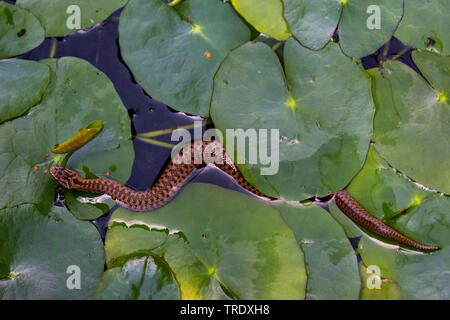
(266, 16)
(411, 127)
(142, 278)
(323, 113)
(237, 245)
(174, 52)
(86, 206)
(55, 15)
(20, 31)
(77, 95)
(22, 84)
(425, 19)
(330, 259)
(37, 250)
(355, 37)
(312, 22)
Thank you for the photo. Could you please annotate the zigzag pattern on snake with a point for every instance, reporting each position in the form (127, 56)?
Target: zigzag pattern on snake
(183, 165)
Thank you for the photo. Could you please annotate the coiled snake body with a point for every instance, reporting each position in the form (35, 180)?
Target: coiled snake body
(177, 173)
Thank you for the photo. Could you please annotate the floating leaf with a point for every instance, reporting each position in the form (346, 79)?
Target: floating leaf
(58, 16)
(83, 136)
(324, 115)
(77, 94)
(266, 16)
(237, 245)
(412, 123)
(424, 20)
(175, 52)
(312, 22)
(20, 31)
(142, 278)
(22, 84)
(359, 34)
(40, 253)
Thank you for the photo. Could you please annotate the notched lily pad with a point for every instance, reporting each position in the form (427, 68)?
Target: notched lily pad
(20, 31)
(175, 52)
(321, 107)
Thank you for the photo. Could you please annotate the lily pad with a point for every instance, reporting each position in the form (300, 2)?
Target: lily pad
(174, 53)
(330, 259)
(323, 115)
(376, 288)
(41, 254)
(312, 22)
(77, 95)
(22, 84)
(55, 15)
(266, 16)
(411, 127)
(142, 278)
(355, 37)
(20, 31)
(423, 20)
(237, 245)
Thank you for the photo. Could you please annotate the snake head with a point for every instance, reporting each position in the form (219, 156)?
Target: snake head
(67, 178)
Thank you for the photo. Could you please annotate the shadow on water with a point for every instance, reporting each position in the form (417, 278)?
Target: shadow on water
(100, 46)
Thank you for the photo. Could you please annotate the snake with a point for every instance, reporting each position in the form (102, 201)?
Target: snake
(182, 166)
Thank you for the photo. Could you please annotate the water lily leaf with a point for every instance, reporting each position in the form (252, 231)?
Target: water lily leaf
(416, 27)
(175, 52)
(237, 245)
(330, 259)
(77, 94)
(22, 84)
(411, 127)
(312, 22)
(83, 136)
(142, 278)
(57, 17)
(323, 115)
(86, 206)
(266, 16)
(20, 31)
(355, 37)
(39, 253)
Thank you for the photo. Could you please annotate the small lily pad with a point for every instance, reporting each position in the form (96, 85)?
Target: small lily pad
(20, 31)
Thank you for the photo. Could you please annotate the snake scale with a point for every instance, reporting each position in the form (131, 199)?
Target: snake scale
(177, 173)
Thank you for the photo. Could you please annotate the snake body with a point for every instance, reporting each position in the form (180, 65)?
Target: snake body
(177, 173)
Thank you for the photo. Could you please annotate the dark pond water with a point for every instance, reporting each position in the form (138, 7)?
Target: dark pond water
(99, 45)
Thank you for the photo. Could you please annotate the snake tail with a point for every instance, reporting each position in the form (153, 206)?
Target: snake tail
(352, 209)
